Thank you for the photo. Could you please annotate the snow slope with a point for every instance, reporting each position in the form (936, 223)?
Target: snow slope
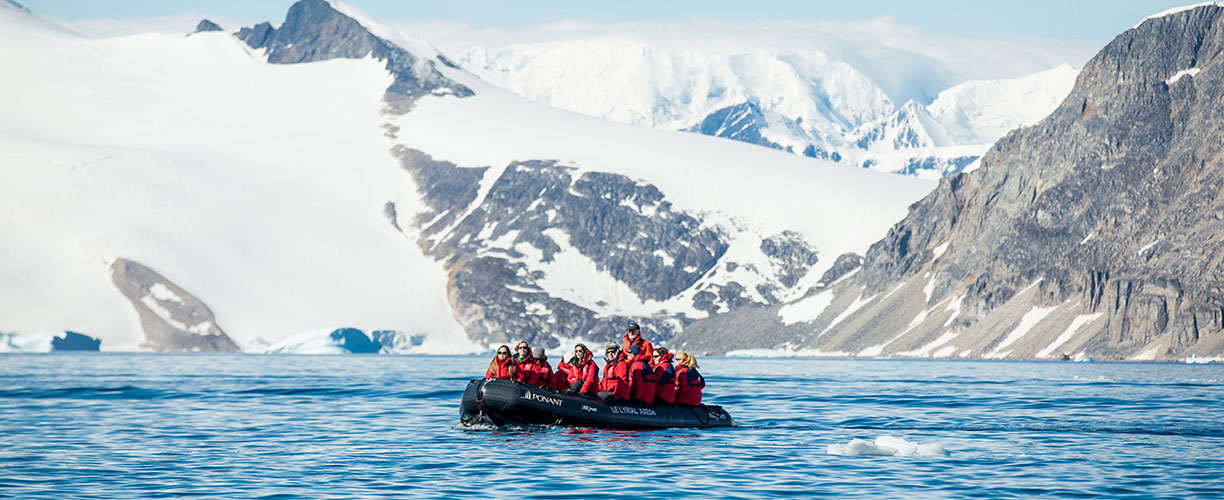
(827, 89)
(234, 180)
(229, 176)
(837, 208)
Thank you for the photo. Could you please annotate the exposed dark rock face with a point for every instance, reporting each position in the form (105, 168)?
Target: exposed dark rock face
(73, 341)
(741, 122)
(206, 25)
(1099, 231)
(535, 212)
(1113, 201)
(172, 319)
(314, 31)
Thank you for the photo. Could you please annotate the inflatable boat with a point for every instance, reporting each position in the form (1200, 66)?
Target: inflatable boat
(499, 402)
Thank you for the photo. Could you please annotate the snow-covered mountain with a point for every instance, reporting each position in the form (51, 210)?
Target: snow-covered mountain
(331, 174)
(886, 108)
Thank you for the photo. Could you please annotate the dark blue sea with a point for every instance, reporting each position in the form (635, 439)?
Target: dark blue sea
(267, 426)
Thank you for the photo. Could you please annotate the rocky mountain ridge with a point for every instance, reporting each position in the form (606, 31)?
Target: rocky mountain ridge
(1094, 233)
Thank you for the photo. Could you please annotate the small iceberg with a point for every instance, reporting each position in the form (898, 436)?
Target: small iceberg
(48, 342)
(346, 341)
(1194, 359)
(887, 446)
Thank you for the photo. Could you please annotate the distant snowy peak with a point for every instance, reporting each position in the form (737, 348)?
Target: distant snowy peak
(804, 103)
(981, 111)
(319, 30)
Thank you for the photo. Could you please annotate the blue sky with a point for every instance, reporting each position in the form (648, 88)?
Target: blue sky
(1063, 19)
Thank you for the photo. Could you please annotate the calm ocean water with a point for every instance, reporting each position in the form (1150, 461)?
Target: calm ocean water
(250, 426)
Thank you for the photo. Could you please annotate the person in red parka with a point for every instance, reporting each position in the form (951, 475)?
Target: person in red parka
(615, 381)
(634, 337)
(526, 365)
(543, 370)
(641, 377)
(502, 366)
(688, 381)
(665, 376)
(560, 378)
(583, 372)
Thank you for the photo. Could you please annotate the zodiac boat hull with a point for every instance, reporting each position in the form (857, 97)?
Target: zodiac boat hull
(500, 402)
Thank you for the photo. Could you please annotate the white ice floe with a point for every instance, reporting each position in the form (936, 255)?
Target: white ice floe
(887, 446)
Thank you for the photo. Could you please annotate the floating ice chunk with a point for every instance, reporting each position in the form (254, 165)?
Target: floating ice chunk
(887, 446)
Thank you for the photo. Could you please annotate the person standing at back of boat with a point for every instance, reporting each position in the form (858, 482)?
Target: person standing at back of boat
(502, 366)
(543, 370)
(525, 363)
(689, 382)
(665, 376)
(634, 337)
(641, 376)
(583, 372)
(615, 381)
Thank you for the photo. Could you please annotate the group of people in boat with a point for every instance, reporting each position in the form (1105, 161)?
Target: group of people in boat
(634, 371)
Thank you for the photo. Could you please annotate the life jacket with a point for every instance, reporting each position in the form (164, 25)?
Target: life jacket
(544, 373)
(616, 377)
(587, 372)
(560, 378)
(503, 369)
(689, 383)
(642, 379)
(527, 372)
(665, 380)
(642, 344)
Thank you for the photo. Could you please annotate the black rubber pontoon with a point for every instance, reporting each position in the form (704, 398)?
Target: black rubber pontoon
(499, 402)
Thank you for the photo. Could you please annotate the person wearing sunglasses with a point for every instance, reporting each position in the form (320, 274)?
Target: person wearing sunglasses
(525, 363)
(689, 382)
(665, 376)
(581, 372)
(633, 337)
(502, 365)
(615, 383)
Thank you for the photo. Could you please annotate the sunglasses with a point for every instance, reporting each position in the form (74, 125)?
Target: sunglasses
(524, 348)
(657, 356)
(503, 352)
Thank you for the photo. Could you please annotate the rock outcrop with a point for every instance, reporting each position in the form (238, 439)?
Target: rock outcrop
(506, 248)
(1099, 231)
(172, 319)
(206, 25)
(315, 31)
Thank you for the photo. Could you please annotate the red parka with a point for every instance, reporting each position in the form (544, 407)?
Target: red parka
(560, 379)
(665, 379)
(646, 347)
(587, 372)
(544, 373)
(641, 379)
(502, 369)
(527, 371)
(688, 385)
(616, 377)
